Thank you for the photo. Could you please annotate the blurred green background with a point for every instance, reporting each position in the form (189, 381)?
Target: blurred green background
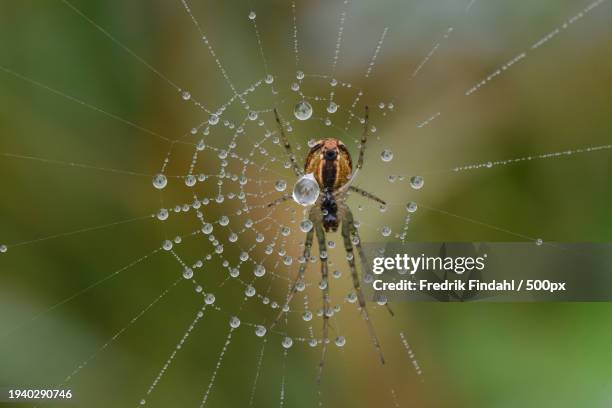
(478, 355)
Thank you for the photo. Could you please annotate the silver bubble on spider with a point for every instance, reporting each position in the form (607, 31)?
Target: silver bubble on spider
(417, 182)
(302, 111)
(306, 190)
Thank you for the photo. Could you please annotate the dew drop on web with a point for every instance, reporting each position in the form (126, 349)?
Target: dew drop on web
(302, 111)
(417, 182)
(160, 181)
(386, 155)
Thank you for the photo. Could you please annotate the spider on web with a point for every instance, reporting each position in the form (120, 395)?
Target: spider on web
(329, 163)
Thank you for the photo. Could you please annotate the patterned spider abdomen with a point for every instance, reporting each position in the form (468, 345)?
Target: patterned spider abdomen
(330, 162)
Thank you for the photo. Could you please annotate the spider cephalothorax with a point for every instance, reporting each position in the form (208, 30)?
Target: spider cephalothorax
(330, 163)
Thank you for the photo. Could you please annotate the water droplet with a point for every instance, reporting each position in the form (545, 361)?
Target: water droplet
(167, 245)
(306, 190)
(312, 342)
(381, 300)
(252, 15)
(253, 115)
(207, 228)
(234, 322)
(188, 273)
(332, 107)
(259, 271)
(386, 155)
(260, 331)
(287, 342)
(351, 297)
(302, 111)
(3, 249)
(385, 231)
(340, 341)
(249, 291)
(411, 207)
(160, 181)
(224, 220)
(280, 185)
(190, 180)
(417, 182)
(213, 119)
(306, 225)
(186, 95)
(162, 214)
(539, 241)
(307, 316)
(269, 79)
(209, 299)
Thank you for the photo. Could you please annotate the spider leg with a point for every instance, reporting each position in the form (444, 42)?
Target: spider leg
(299, 277)
(367, 195)
(347, 228)
(364, 260)
(279, 200)
(326, 306)
(296, 169)
(364, 138)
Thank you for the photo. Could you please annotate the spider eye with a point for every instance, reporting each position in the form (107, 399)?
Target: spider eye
(331, 155)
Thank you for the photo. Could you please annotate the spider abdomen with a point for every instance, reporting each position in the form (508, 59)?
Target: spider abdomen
(330, 163)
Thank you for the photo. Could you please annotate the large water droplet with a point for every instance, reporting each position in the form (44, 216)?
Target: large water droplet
(302, 111)
(306, 190)
(386, 155)
(340, 341)
(332, 107)
(416, 182)
(411, 207)
(185, 95)
(252, 15)
(160, 181)
(3, 249)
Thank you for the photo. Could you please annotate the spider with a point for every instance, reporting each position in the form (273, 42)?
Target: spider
(331, 165)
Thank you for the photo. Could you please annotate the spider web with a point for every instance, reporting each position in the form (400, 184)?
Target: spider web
(228, 260)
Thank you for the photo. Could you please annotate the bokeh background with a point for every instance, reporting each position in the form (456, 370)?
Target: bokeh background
(478, 355)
